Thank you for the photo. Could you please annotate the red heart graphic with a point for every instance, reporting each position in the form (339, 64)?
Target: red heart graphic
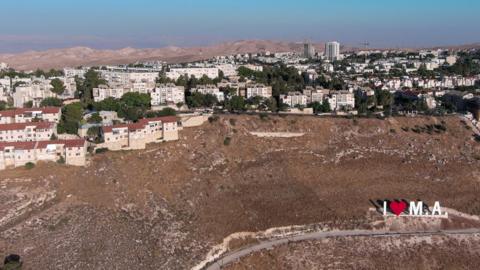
(398, 207)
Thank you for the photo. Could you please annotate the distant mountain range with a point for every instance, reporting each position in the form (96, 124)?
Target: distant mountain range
(78, 56)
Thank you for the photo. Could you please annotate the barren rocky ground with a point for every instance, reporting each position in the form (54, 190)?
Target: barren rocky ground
(167, 206)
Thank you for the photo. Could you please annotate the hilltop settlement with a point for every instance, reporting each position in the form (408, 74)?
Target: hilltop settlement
(66, 115)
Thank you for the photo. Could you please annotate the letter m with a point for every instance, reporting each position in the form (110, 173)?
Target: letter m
(416, 209)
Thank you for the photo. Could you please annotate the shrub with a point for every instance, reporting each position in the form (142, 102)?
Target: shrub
(441, 127)
(392, 130)
(101, 150)
(213, 118)
(406, 129)
(61, 160)
(29, 165)
(263, 116)
(233, 121)
(227, 141)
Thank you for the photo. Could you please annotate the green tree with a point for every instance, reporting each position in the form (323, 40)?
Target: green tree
(164, 112)
(326, 106)
(28, 104)
(72, 115)
(320, 107)
(108, 104)
(3, 105)
(51, 102)
(134, 105)
(58, 86)
(197, 100)
(95, 118)
(210, 100)
(93, 133)
(383, 98)
(134, 99)
(271, 104)
(182, 81)
(245, 72)
(92, 80)
(162, 78)
(236, 103)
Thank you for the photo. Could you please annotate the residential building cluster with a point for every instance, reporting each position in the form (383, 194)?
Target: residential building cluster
(138, 135)
(30, 135)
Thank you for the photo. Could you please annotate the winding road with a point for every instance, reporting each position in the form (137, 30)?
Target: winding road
(235, 255)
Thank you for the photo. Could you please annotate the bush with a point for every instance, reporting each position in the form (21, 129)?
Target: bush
(232, 121)
(392, 130)
(227, 141)
(29, 165)
(101, 150)
(61, 160)
(213, 118)
(263, 116)
(441, 127)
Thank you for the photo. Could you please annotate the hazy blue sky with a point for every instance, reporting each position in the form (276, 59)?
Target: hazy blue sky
(41, 24)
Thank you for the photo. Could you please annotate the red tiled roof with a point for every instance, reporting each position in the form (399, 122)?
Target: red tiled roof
(43, 110)
(21, 126)
(136, 126)
(12, 113)
(18, 145)
(66, 143)
(141, 123)
(42, 144)
(9, 113)
(107, 129)
(165, 119)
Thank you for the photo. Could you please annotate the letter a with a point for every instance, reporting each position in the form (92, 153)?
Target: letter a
(437, 210)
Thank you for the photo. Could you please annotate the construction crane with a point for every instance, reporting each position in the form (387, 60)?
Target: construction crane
(365, 44)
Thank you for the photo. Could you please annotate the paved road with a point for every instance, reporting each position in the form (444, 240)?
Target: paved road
(235, 255)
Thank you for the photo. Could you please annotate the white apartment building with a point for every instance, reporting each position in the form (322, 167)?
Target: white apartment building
(315, 94)
(167, 94)
(332, 50)
(308, 50)
(197, 72)
(5, 86)
(228, 69)
(258, 90)
(137, 135)
(126, 78)
(238, 86)
(104, 91)
(209, 89)
(341, 100)
(16, 154)
(26, 115)
(24, 132)
(37, 91)
(72, 72)
(70, 87)
(293, 99)
(142, 87)
(253, 67)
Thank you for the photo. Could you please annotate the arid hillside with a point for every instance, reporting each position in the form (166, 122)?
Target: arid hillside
(78, 56)
(167, 206)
